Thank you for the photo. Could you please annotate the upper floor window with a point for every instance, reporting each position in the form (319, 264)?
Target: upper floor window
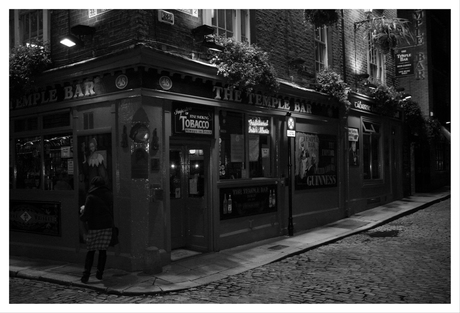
(376, 65)
(229, 23)
(321, 47)
(440, 157)
(29, 26)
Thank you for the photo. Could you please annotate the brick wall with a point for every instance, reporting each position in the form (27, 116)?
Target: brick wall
(287, 36)
(284, 34)
(115, 29)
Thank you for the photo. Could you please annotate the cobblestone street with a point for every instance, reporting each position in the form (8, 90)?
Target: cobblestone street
(404, 261)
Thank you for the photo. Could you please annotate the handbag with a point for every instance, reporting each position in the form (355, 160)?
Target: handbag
(114, 239)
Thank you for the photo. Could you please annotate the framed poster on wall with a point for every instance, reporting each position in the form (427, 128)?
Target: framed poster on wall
(315, 163)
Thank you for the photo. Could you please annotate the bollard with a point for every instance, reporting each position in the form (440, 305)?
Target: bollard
(152, 262)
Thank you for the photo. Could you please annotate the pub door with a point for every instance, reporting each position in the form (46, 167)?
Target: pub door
(190, 196)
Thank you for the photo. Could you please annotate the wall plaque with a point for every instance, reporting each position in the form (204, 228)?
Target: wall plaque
(37, 217)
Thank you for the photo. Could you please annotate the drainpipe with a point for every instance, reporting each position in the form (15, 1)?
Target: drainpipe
(345, 129)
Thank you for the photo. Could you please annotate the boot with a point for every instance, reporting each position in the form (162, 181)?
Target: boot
(101, 263)
(88, 265)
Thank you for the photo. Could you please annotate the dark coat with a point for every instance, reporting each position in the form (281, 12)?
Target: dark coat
(98, 208)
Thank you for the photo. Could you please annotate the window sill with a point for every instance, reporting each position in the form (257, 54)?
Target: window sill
(247, 182)
(373, 183)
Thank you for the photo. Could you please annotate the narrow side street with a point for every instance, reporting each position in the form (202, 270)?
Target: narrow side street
(404, 261)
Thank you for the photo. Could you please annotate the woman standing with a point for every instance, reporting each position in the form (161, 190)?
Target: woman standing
(97, 216)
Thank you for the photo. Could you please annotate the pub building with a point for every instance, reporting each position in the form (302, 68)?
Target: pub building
(192, 164)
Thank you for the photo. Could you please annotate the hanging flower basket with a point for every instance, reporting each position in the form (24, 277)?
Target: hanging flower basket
(387, 100)
(245, 66)
(320, 18)
(387, 33)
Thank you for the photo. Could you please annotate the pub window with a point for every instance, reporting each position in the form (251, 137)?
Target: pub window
(372, 168)
(321, 48)
(43, 161)
(231, 145)
(56, 120)
(244, 146)
(259, 146)
(440, 157)
(29, 27)
(26, 124)
(59, 166)
(229, 23)
(375, 64)
(28, 162)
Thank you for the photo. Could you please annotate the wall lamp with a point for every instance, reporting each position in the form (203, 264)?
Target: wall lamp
(406, 96)
(75, 38)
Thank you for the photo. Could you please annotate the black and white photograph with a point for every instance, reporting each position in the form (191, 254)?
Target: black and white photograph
(307, 154)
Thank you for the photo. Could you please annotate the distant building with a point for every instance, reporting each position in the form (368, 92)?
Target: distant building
(429, 84)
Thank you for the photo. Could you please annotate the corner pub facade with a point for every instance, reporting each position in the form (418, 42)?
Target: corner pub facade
(192, 164)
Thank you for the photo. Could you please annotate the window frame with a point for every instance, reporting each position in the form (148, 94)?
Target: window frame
(238, 18)
(440, 157)
(40, 132)
(321, 41)
(376, 64)
(370, 132)
(246, 175)
(18, 31)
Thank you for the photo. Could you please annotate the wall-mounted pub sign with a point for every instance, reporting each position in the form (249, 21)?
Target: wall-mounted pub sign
(192, 119)
(404, 62)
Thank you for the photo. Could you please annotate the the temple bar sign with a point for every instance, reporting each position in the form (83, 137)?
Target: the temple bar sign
(77, 91)
(404, 63)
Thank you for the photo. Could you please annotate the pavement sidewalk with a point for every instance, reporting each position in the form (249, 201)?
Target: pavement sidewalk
(206, 268)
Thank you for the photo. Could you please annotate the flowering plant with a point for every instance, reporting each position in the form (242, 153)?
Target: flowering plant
(329, 82)
(26, 63)
(387, 99)
(387, 33)
(321, 17)
(245, 66)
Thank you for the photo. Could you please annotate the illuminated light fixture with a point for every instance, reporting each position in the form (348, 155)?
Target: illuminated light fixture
(139, 133)
(406, 96)
(75, 38)
(71, 40)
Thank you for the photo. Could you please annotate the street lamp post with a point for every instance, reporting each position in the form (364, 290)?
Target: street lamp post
(290, 134)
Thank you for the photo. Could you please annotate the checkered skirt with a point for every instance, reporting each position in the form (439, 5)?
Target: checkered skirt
(98, 239)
